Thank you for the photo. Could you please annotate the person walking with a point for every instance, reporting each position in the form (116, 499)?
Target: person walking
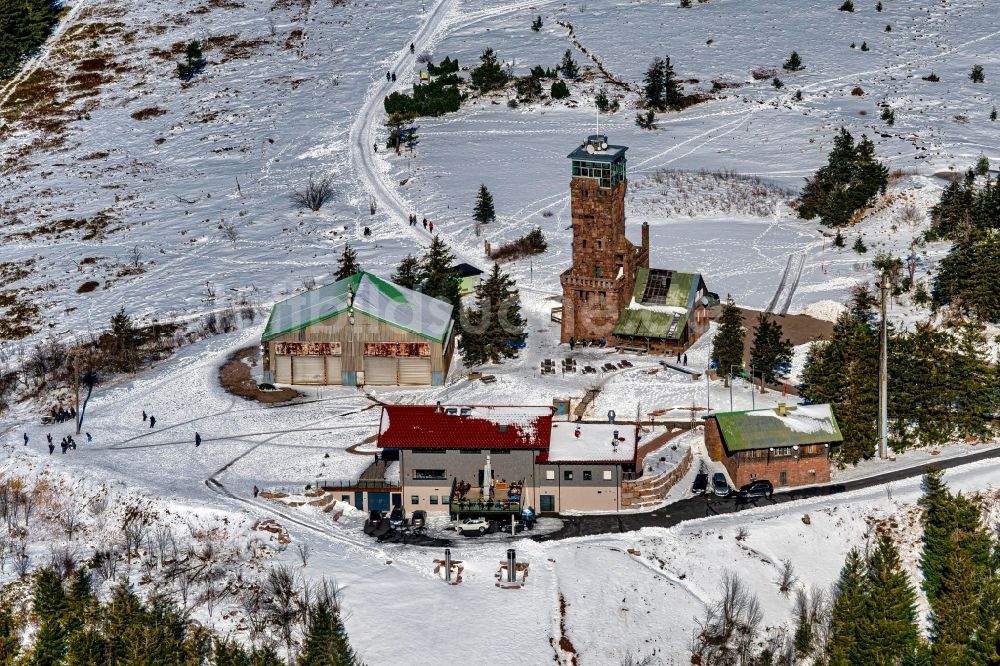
(197, 439)
(52, 448)
(425, 224)
(394, 77)
(572, 342)
(412, 48)
(375, 147)
(685, 359)
(152, 420)
(49, 438)
(430, 226)
(144, 417)
(256, 490)
(387, 76)
(25, 439)
(90, 440)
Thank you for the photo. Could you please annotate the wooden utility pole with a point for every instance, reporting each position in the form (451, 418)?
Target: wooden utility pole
(883, 373)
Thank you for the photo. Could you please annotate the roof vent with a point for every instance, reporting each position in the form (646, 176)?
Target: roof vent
(465, 411)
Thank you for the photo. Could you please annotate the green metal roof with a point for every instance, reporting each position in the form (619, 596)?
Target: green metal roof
(404, 308)
(650, 323)
(764, 428)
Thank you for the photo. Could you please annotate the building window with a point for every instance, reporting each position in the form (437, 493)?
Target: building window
(550, 474)
(414, 499)
(587, 476)
(782, 478)
(602, 297)
(607, 475)
(502, 428)
(584, 241)
(474, 452)
(434, 499)
(782, 451)
(567, 476)
(600, 245)
(597, 271)
(345, 498)
(444, 499)
(429, 474)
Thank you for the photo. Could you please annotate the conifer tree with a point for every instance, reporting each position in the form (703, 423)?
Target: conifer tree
(794, 62)
(653, 85)
(849, 181)
(496, 327)
(672, 96)
(484, 212)
(10, 642)
(348, 264)
(859, 246)
(438, 276)
(848, 613)
(977, 74)
(891, 634)
(559, 90)
(408, 273)
(398, 124)
(489, 74)
(568, 66)
(770, 356)
(993, 114)
(326, 641)
(838, 240)
(728, 345)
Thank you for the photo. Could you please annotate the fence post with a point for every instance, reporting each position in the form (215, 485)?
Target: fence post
(447, 565)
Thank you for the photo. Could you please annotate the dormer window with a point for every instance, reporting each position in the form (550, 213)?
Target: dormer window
(502, 428)
(451, 411)
(465, 411)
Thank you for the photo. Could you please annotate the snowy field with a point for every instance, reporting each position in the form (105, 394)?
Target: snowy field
(164, 170)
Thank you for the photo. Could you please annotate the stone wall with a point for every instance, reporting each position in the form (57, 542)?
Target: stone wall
(650, 491)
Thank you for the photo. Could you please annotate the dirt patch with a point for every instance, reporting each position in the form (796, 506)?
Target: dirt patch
(149, 112)
(87, 287)
(234, 376)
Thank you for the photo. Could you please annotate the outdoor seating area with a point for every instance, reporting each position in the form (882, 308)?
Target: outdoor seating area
(505, 497)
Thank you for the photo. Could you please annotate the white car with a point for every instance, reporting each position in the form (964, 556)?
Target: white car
(479, 525)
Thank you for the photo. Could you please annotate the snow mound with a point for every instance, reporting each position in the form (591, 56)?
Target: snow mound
(827, 310)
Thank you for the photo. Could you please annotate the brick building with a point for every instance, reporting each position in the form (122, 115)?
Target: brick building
(610, 292)
(788, 446)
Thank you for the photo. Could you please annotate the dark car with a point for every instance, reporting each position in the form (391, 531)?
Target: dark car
(375, 519)
(397, 518)
(418, 520)
(758, 488)
(700, 484)
(719, 485)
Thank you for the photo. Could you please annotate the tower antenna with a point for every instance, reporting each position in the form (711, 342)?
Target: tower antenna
(597, 110)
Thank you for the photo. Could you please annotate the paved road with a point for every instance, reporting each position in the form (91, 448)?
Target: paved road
(706, 506)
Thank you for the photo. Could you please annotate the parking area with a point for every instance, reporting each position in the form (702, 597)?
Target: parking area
(438, 529)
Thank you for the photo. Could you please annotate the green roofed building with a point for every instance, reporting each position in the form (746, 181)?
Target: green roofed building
(787, 445)
(359, 330)
(667, 313)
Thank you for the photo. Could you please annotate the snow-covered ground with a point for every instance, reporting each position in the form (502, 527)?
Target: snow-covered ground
(293, 89)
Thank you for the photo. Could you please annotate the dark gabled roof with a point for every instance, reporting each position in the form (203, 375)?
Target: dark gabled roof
(403, 308)
(467, 270)
(765, 428)
(665, 320)
(464, 427)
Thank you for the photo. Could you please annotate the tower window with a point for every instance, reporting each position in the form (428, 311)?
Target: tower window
(602, 297)
(600, 245)
(584, 241)
(597, 271)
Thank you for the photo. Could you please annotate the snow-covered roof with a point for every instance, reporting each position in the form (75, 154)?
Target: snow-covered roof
(593, 444)
(767, 428)
(401, 307)
(464, 427)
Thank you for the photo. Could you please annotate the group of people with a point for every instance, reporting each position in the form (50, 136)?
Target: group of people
(150, 418)
(65, 444)
(428, 225)
(61, 414)
(586, 342)
(462, 488)
(390, 76)
(682, 358)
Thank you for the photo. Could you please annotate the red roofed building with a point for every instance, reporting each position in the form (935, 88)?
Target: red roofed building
(535, 462)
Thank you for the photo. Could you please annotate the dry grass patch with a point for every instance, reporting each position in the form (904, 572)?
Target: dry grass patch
(148, 112)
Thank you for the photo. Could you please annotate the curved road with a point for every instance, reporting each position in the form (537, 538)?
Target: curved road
(707, 505)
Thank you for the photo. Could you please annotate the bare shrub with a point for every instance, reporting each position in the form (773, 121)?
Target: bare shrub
(147, 113)
(632, 659)
(283, 604)
(786, 577)
(70, 518)
(764, 73)
(135, 257)
(62, 561)
(911, 215)
(134, 532)
(303, 551)
(728, 632)
(22, 560)
(229, 231)
(742, 533)
(315, 193)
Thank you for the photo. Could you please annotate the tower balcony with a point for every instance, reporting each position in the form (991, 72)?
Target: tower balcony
(568, 279)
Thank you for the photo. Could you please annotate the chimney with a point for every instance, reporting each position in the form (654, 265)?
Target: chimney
(782, 409)
(644, 250)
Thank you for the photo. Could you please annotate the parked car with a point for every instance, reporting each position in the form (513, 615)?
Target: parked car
(480, 525)
(758, 488)
(397, 519)
(700, 484)
(418, 520)
(719, 485)
(375, 519)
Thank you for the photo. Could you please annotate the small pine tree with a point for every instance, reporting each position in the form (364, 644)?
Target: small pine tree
(977, 74)
(859, 246)
(798, 95)
(438, 276)
(864, 46)
(848, 6)
(993, 114)
(932, 77)
(727, 347)
(10, 643)
(568, 66)
(770, 356)
(194, 61)
(847, 614)
(601, 101)
(888, 116)
(891, 635)
(878, 7)
(853, 45)
(778, 83)
(326, 641)
(794, 62)
(408, 273)
(653, 85)
(348, 264)
(838, 240)
(496, 327)
(646, 120)
(982, 165)
(888, 28)
(559, 90)
(536, 24)
(684, 4)
(489, 74)
(483, 212)
(536, 241)
(672, 96)
(398, 124)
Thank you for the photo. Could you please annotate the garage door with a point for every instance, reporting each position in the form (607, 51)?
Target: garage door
(308, 369)
(283, 369)
(333, 370)
(415, 371)
(380, 370)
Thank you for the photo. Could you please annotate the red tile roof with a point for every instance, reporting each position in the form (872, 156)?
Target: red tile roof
(464, 427)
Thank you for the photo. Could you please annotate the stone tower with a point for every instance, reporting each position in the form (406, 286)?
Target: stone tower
(599, 285)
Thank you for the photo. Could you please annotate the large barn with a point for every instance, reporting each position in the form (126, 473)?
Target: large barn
(359, 330)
